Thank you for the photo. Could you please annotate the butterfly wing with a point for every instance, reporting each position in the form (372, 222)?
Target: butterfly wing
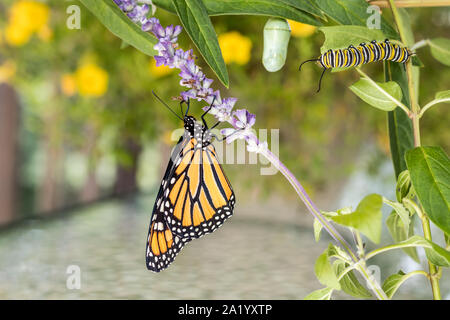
(200, 197)
(162, 244)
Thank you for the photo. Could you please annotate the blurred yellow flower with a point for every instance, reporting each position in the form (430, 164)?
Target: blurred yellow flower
(68, 84)
(299, 29)
(16, 36)
(235, 47)
(30, 15)
(25, 18)
(7, 70)
(91, 80)
(160, 71)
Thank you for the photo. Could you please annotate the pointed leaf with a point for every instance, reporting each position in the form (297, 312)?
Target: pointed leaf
(366, 218)
(400, 233)
(317, 229)
(374, 95)
(402, 212)
(196, 22)
(349, 283)
(270, 8)
(340, 37)
(337, 252)
(404, 188)
(440, 50)
(325, 273)
(119, 24)
(393, 282)
(443, 95)
(353, 12)
(429, 169)
(306, 5)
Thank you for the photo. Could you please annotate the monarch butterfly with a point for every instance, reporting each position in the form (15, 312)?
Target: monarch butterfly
(195, 196)
(362, 54)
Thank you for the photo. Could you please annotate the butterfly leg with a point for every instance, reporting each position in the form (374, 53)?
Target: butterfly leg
(224, 138)
(187, 104)
(206, 112)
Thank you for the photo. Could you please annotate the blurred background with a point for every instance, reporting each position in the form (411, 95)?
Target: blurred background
(83, 146)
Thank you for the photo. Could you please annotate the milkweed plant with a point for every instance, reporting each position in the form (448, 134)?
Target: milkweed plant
(422, 172)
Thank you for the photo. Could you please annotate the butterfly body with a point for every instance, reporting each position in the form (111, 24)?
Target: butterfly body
(194, 198)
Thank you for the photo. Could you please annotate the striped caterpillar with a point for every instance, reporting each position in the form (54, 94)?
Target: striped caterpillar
(362, 54)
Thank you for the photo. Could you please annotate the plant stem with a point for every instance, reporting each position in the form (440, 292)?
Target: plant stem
(430, 104)
(312, 208)
(415, 115)
(434, 279)
(420, 44)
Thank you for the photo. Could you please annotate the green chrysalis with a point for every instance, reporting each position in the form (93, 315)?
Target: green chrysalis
(276, 39)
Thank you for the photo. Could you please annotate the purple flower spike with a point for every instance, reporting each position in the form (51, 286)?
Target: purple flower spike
(243, 119)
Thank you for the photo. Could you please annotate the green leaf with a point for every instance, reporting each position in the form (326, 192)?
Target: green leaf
(366, 218)
(400, 127)
(404, 188)
(321, 294)
(442, 95)
(429, 169)
(337, 252)
(438, 255)
(325, 273)
(196, 22)
(317, 229)
(440, 50)
(353, 12)
(339, 37)
(400, 233)
(305, 5)
(271, 8)
(349, 283)
(373, 93)
(119, 24)
(402, 212)
(405, 22)
(393, 282)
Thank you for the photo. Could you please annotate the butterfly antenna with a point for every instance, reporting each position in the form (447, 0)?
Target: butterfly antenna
(300, 68)
(167, 106)
(321, 76)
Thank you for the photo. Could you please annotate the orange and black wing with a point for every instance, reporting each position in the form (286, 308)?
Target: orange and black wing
(162, 244)
(199, 197)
